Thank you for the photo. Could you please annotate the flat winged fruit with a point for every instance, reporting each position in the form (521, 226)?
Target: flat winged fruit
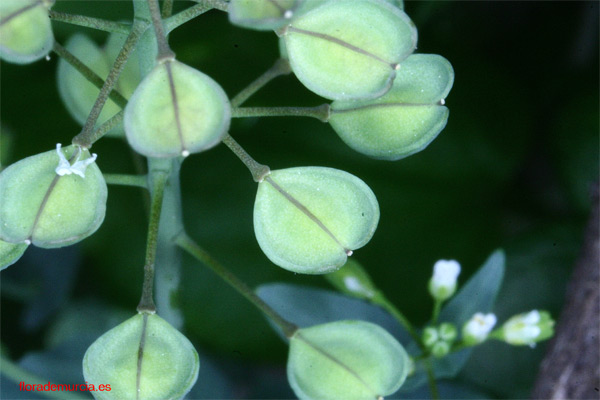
(349, 49)
(349, 360)
(10, 253)
(25, 30)
(309, 219)
(176, 110)
(143, 358)
(262, 15)
(404, 120)
(41, 207)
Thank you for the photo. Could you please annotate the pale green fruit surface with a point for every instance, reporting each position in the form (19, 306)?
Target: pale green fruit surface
(345, 360)
(308, 219)
(10, 253)
(176, 110)
(25, 30)
(50, 210)
(403, 121)
(349, 49)
(261, 14)
(169, 366)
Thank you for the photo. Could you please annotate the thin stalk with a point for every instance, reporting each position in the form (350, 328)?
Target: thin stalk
(221, 5)
(384, 303)
(435, 394)
(258, 171)
(87, 73)
(17, 374)
(280, 67)
(187, 244)
(90, 22)
(83, 139)
(164, 51)
(167, 9)
(437, 307)
(184, 16)
(319, 112)
(159, 182)
(127, 180)
(103, 129)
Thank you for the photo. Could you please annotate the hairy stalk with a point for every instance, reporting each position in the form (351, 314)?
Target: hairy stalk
(280, 67)
(320, 112)
(221, 5)
(258, 171)
(164, 51)
(91, 22)
(87, 73)
(187, 244)
(103, 129)
(167, 9)
(186, 15)
(127, 180)
(83, 139)
(159, 181)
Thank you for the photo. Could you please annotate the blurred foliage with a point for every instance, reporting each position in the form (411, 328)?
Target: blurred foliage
(512, 169)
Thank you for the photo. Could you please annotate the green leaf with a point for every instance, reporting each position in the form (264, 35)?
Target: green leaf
(309, 219)
(403, 121)
(349, 49)
(10, 253)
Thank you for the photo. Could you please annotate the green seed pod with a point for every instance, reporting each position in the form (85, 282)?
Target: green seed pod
(79, 95)
(403, 121)
(262, 15)
(10, 253)
(353, 280)
(51, 202)
(143, 358)
(25, 30)
(176, 110)
(345, 360)
(349, 49)
(309, 219)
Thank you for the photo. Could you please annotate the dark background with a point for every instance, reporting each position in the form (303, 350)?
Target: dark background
(512, 170)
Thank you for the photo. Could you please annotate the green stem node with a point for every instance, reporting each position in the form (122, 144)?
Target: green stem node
(258, 171)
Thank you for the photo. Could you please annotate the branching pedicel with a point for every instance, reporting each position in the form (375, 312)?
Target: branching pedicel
(387, 103)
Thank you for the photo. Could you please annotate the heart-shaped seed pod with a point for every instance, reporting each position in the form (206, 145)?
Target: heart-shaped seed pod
(10, 253)
(309, 219)
(403, 121)
(141, 359)
(349, 49)
(345, 360)
(79, 95)
(52, 201)
(176, 110)
(25, 30)
(262, 15)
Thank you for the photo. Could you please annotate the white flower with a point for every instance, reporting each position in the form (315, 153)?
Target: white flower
(443, 283)
(523, 329)
(477, 329)
(78, 168)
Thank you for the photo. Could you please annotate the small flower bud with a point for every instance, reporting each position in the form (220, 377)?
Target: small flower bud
(440, 349)
(477, 329)
(447, 332)
(443, 283)
(430, 336)
(310, 219)
(528, 329)
(353, 280)
(345, 360)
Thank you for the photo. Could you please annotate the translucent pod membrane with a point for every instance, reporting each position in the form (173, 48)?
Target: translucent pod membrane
(176, 110)
(345, 360)
(78, 94)
(262, 15)
(310, 219)
(143, 358)
(25, 30)
(349, 49)
(403, 121)
(39, 206)
(10, 253)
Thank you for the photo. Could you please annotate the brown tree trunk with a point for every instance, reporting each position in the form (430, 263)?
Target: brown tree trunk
(571, 368)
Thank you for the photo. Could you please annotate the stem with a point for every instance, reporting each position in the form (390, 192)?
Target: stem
(167, 9)
(187, 244)
(221, 5)
(437, 307)
(103, 129)
(159, 181)
(164, 51)
(17, 374)
(83, 139)
(186, 15)
(87, 73)
(258, 171)
(319, 112)
(90, 22)
(127, 180)
(435, 395)
(280, 67)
